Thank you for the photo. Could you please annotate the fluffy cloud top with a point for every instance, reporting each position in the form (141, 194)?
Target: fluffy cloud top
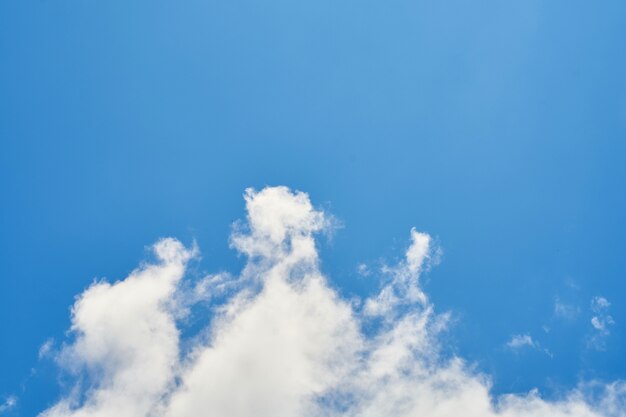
(283, 343)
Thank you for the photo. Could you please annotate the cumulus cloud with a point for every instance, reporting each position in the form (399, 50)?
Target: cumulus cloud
(282, 342)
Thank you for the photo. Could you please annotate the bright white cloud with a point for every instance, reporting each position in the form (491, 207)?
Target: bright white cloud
(283, 343)
(403, 286)
(418, 252)
(126, 340)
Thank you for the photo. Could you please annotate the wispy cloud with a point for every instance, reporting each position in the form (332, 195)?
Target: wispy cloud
(520, 341)
(8, 404)
(601, 321)
(363, 270)
(46, 348)
(525, 341)
(565, 311)
(282, 343)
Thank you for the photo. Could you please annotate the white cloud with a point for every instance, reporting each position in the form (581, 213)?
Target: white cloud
(284, 344)
(601, 322)
(46, 348)
(418, 252)
(126, 340)
(565, 311)
(599, 304)
(8, 404)
(363, 270)
(521, 340)
(403, 286)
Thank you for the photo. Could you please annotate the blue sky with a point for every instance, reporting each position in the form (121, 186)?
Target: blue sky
(498, 129)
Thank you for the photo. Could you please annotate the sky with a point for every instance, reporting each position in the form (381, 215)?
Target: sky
(391, 200)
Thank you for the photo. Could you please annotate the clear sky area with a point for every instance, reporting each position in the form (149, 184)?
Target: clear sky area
(497, 130)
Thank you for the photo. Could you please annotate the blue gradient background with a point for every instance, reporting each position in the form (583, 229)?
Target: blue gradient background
(497, 127)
